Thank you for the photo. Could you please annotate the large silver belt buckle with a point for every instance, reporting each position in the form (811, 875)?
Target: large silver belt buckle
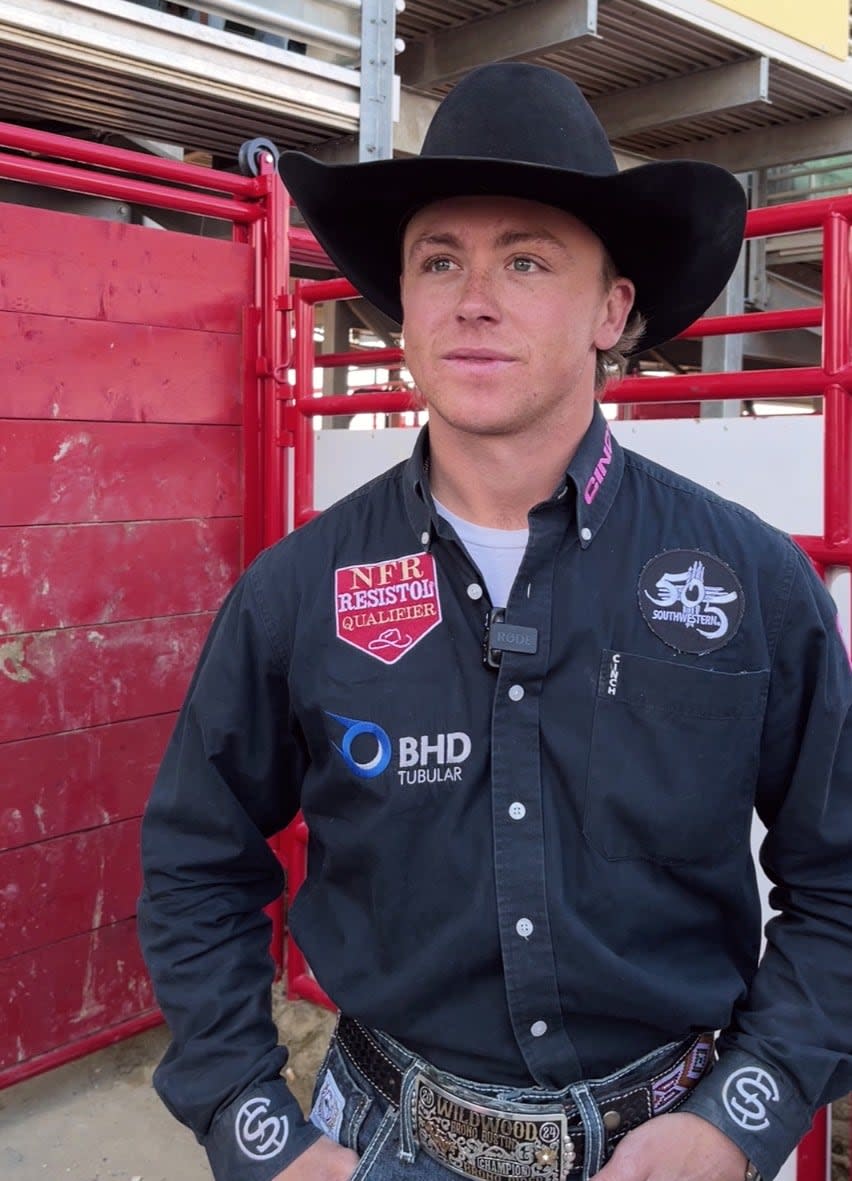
(490, 1142)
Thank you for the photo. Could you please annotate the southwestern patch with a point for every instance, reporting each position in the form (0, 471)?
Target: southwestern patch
(387, 608)
(691, 600)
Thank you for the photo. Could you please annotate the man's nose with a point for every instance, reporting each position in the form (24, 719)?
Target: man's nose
(477, 298)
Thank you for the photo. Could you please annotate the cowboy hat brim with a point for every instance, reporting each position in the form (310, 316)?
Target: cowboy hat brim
(674, 228)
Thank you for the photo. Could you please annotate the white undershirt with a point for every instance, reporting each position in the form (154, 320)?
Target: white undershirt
(496, 552)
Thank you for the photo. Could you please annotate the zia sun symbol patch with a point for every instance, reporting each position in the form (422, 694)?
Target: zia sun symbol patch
(693, 601)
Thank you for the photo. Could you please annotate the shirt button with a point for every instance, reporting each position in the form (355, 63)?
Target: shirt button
(517, 810)
(586, 534)
(424, 538)
(524, 928)
(538, 1028)
(474, 591)
(516, 693)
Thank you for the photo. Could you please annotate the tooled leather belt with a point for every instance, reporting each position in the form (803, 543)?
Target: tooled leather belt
(486, 1139)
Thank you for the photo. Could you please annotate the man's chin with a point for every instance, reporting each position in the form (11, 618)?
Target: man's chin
(479, 425)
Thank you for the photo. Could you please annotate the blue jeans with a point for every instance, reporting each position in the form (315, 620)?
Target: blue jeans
(349, 1110)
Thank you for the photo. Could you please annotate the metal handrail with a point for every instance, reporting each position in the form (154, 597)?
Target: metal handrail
(269, 21)
(813, 171)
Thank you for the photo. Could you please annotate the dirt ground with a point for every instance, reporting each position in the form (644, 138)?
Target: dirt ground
(99, 1119)
(840, 1141)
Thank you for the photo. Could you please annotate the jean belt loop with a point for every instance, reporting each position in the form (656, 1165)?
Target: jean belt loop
(593, 1128)
(407, 1144)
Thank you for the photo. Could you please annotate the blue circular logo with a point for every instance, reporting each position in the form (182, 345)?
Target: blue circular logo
(354, 729)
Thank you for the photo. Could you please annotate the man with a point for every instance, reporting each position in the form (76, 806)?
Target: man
(527, 688)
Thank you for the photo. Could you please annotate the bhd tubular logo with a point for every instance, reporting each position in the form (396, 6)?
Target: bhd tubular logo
(367, 750)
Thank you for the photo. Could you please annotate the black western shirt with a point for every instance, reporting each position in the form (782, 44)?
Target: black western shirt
(531, 873)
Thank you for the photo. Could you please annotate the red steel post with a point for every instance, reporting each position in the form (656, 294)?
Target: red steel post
(275, 461)
(813, 1156)
(837, 412)
(303, 479)
(837, 444)
(252, 533)
(837, 297)
(276, 350)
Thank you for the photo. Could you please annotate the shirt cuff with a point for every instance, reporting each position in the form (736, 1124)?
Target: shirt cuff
(755, 1105)
(258, 1135)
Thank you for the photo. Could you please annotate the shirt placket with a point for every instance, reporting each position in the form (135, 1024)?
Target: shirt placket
(529, 960)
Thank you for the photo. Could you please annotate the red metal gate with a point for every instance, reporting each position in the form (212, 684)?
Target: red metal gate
(137, 369)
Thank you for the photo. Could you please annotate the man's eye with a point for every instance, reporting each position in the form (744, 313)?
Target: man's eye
(524, 265)
(439, 265)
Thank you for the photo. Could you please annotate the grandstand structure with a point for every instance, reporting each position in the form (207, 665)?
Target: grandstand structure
(763, 89)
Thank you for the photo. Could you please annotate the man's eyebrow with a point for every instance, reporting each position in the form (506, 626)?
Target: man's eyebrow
(508, 238)
(445, 239)
(525, 237)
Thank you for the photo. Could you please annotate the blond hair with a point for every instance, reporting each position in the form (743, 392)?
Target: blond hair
(612, 363)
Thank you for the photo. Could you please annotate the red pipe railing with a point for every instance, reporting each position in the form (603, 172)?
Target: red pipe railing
(123, 160)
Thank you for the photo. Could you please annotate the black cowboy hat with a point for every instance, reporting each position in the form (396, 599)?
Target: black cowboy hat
(515, 130)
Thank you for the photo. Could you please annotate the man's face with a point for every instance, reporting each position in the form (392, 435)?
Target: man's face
(505, 306)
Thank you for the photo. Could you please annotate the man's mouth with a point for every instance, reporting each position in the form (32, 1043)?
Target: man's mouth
(481, 356)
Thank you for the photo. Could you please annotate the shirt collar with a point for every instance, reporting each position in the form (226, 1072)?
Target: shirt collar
(595, 471)
(418, 502)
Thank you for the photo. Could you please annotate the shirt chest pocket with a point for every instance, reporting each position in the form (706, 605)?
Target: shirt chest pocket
(673, 759)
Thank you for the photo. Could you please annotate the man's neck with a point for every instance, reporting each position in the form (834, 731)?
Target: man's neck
(495, 480)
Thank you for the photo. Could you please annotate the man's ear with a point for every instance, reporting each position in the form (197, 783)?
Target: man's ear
(614, 313)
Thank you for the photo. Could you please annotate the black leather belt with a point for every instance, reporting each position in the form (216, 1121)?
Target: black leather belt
(467, 1133)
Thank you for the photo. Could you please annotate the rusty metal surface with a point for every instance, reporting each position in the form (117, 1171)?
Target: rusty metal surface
(78, 779)
(156, 374)
(83, 985)
(121, 370)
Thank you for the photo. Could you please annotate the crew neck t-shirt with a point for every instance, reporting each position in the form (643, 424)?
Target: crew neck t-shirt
(497, 553)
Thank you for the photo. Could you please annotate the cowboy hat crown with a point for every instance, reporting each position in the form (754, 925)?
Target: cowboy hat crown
(515, 130)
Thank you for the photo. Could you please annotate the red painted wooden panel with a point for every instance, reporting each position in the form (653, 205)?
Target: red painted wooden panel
(63, 992)
(55, 367)
(144, 569)
(79, 677)
(62, 783)
(57, 889)
(56, 472)
(62, 264)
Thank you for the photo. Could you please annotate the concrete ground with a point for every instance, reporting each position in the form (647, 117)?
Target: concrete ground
(99, 1119)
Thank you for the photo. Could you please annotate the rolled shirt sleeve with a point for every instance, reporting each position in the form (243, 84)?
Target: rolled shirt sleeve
(788, 1049)
(230, 779)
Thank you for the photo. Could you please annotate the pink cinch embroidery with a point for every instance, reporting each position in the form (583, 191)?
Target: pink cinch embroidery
(599, 474)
